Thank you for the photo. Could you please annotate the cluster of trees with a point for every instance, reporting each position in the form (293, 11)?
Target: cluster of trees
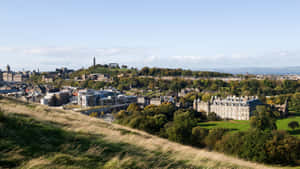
(104, 69)
(261, 143)
(146, 71)
(218, 87)
(58, 100)
(293, 101)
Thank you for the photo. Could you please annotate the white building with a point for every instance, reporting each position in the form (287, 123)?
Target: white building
(232, 107)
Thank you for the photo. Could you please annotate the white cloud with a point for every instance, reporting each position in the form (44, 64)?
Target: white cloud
(51, 57)
(48, 58)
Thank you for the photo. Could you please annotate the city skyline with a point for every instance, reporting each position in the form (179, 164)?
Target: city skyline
(190, 35)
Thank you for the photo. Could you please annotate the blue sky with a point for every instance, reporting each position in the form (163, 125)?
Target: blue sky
(193, 34)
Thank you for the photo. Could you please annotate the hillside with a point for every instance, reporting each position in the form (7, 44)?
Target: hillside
(34, 136)
(147, 71)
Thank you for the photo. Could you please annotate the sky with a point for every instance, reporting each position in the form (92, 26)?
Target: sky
(189, 34)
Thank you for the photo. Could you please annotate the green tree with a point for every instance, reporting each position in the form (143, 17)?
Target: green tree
(181, 129)
(212, 116)
(263, 123)
(293, 125)
(198, 136)
(133, 107)
(53, 101)
(214, 135)
(295, 102)
(166, 109)
(283, 149)
(264, 119)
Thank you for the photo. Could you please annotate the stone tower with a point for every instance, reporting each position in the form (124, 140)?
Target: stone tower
(8, 68)
(94, 61)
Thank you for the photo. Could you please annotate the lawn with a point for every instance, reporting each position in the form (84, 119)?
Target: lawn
(282, 124)
(233, 125)
(240, 125)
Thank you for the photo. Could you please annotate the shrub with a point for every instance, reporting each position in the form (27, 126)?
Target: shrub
(229, 143)
(133, 107)
(263, 122)
(181, 128)
(283, 149)
(198, 136)
(214, 135)
(212, 116)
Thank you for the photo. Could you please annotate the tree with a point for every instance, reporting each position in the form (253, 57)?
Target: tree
(283, 148)
(212, 116)
(53, 101)
(214, 135)
(263, 123)
(133, 107)
(181, 129)
(198, 136)
(295, 102)
(264, 119)
(293, 125)
(167, 109)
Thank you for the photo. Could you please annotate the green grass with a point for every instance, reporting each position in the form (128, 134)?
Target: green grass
(238, 125)
(27, 143)
(233, 125)
(282, 124)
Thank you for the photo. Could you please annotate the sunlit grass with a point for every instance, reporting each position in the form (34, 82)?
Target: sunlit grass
(240, 125)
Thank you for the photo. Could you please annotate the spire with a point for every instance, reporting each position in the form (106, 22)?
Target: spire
(94, 61)
(8, 68)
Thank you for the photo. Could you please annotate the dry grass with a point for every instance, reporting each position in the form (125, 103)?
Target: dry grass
(73, 121)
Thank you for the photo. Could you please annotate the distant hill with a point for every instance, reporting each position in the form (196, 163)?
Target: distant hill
(150, 71)
(35, 136)
(260, 70)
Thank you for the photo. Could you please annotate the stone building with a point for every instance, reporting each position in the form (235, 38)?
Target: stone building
(48, 78)
(159, 100)
(100, 77)
(143, 101)
(232, 107)
(11, 76)
(156, 101)
(113, 65)
(8, 76)
(19, 77)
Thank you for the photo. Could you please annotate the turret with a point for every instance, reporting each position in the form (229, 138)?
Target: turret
(8, 68)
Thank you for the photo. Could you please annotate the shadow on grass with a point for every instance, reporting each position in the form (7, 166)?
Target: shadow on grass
(294, 132)
(206, 125)
(293, 114)
(29, 139)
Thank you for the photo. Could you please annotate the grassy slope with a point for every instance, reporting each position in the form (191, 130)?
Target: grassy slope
(34, 136)
(29, 143)
(235, 125)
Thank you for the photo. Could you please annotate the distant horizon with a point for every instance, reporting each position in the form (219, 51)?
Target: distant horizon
(233, 70)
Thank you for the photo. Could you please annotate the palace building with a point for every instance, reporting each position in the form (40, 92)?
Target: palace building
(231, 107)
